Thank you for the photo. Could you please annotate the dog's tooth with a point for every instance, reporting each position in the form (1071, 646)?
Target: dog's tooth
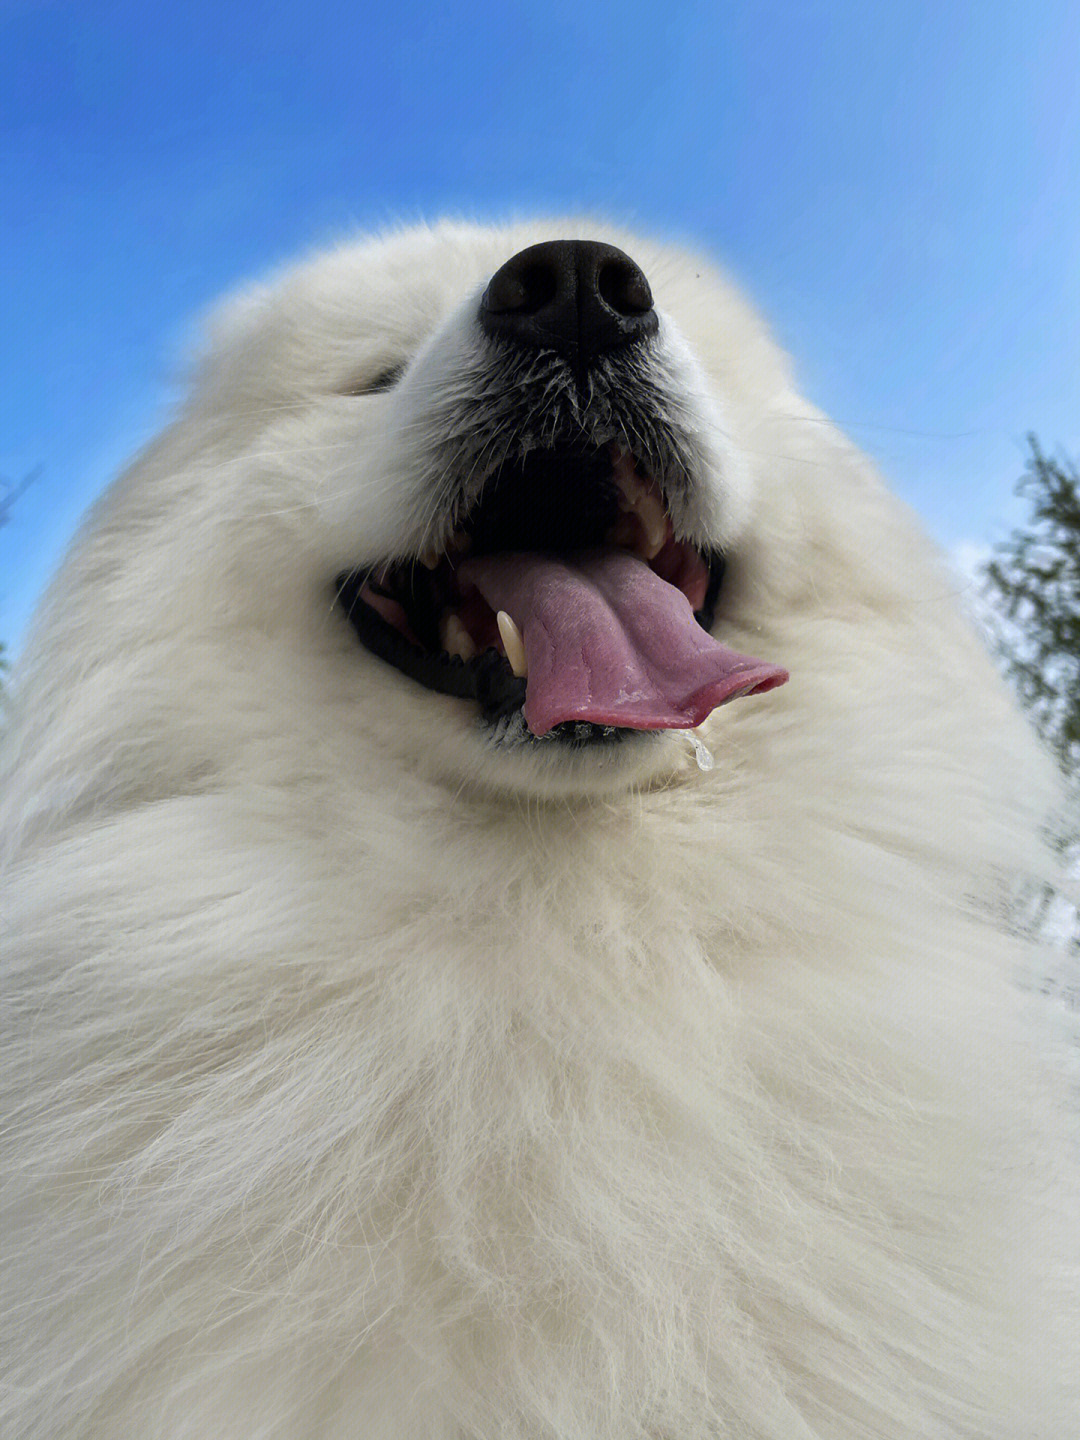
(631, 487)
(459, 541)
(636, 497)
(655, 528)
(513, 644)
(455, 639)
(429, 558)
(650, 511)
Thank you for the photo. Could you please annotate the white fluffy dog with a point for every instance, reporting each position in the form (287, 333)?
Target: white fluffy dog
(405, 1038)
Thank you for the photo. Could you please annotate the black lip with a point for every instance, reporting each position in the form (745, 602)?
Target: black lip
(487, 679)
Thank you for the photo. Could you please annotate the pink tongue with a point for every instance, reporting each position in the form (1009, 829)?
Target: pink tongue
(608, 641)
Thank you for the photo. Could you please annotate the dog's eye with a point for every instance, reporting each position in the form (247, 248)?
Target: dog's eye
(385, 380)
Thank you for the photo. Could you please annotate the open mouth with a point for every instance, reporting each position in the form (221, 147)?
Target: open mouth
(563, 600)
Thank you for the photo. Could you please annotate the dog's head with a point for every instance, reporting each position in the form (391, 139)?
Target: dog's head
(529, 487)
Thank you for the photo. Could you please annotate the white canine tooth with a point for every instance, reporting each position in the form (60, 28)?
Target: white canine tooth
(642, 499)
(429, 558)
(512, 643)
(649, 509)
(632, 489)
(456, 640)
(459, 541)
(654, 524)
(644, 534)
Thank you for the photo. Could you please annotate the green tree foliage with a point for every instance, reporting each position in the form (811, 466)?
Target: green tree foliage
(1033, 584)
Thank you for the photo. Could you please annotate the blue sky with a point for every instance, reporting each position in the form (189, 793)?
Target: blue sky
(897, 185)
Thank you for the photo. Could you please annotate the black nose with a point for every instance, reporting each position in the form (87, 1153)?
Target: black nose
(578, 297)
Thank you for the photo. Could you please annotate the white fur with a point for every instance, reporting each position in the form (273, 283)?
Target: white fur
(362, 1083)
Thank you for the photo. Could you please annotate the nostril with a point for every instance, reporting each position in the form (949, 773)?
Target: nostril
(524, 289)
(621, 285)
